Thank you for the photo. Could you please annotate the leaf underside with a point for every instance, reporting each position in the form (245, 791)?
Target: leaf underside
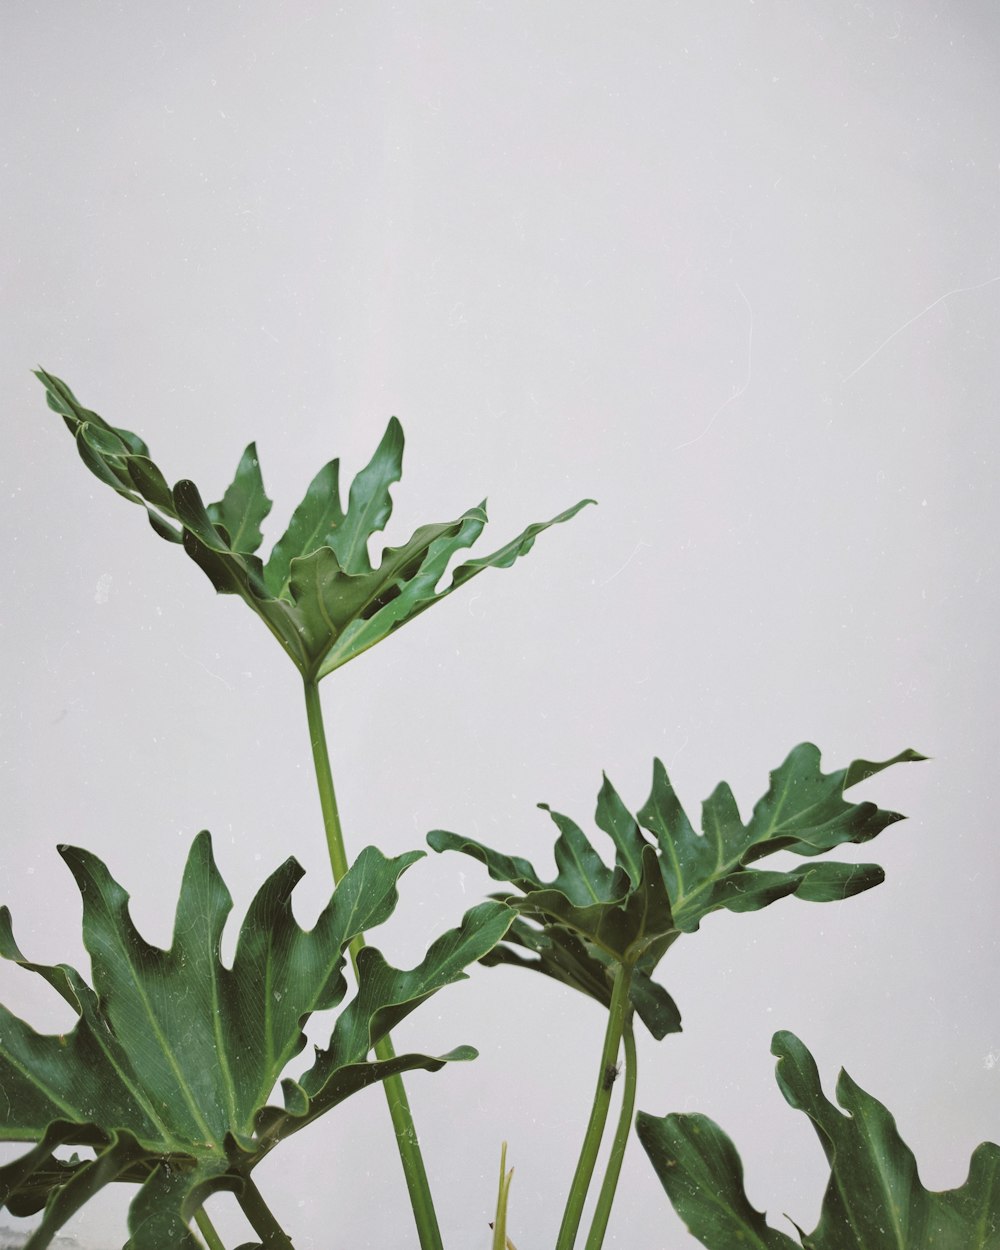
(873, 1201)
(318, 592)
(666, 877)
(168, 1070)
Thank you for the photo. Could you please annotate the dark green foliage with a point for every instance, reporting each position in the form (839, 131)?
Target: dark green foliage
(874, 1199)
(593, 916)
(168, 1071)
(318, 592)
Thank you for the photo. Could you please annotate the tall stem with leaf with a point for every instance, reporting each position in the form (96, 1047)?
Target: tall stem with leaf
(318, 594)
(594, 921)
(617, 1017)
(609, 1186)
(414, 1171)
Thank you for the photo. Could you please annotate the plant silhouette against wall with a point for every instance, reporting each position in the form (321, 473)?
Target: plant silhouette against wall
(186, 1105)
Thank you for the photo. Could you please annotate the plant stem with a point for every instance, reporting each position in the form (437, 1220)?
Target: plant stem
(207, 1230)
(324, 782)
(617, 1015)
(414, 1171)
(602, 1212)
(259, 1214)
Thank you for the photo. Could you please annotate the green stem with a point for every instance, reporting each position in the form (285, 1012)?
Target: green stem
(414, 1171)
(617, 1015)
(602, 1211)
(262, 1220)
(324, 782)
(207, 1230)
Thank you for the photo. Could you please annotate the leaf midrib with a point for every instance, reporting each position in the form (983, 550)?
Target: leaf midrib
(722, 869)
(724, 866)
(56, 1099)
(330, 517)
(185, 1090)
(849, 1200)
(244, 525)
(578, 861)
(710, 1189)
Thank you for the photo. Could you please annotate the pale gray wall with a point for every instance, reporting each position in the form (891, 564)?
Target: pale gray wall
(731, 268)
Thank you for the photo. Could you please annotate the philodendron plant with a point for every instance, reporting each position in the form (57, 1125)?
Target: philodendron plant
(874, 1199)
(186, 1104)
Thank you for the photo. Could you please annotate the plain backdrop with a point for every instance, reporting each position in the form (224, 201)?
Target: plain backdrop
(731, 268)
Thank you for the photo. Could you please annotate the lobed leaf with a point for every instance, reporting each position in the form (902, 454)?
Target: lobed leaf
(313, 525)
(244, 505)
(702, 1173)
(168, 1071)
(804, 811)
(592, 915)
(318, 592)
(874, 1199)
(369, 504)
(559, 953)
(388, 995)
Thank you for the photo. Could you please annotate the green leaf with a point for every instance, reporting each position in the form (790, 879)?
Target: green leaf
(244, 505)
(560, 954)
(874, 1199)
(699, 1168)
(312, 526)
(387, 995)
(317, 592)
(369, 504)
(623, 931)
(344, 614)
(417, 592)
(592, 916)
(169, 1068)
(620, 826)
(804, 811)
(62, 400)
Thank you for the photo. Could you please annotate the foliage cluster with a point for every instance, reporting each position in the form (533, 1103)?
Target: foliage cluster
(185, 1104)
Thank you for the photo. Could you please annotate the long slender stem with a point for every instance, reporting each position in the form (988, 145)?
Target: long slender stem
(617, 1014)
(261, 1218)
(602, 1212)
(414, 1171)
(324, 782)
(207, 1230)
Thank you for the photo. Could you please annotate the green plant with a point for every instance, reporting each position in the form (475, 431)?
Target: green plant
(604, 930)
(874, 1199)
(177, 1100)
(184, 1107)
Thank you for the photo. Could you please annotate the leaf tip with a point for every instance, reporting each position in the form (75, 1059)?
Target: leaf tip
(186, 489)
(781, 1040)
(394, 437)
(70, 854)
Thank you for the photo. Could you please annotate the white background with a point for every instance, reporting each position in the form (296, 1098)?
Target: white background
(733, 269)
